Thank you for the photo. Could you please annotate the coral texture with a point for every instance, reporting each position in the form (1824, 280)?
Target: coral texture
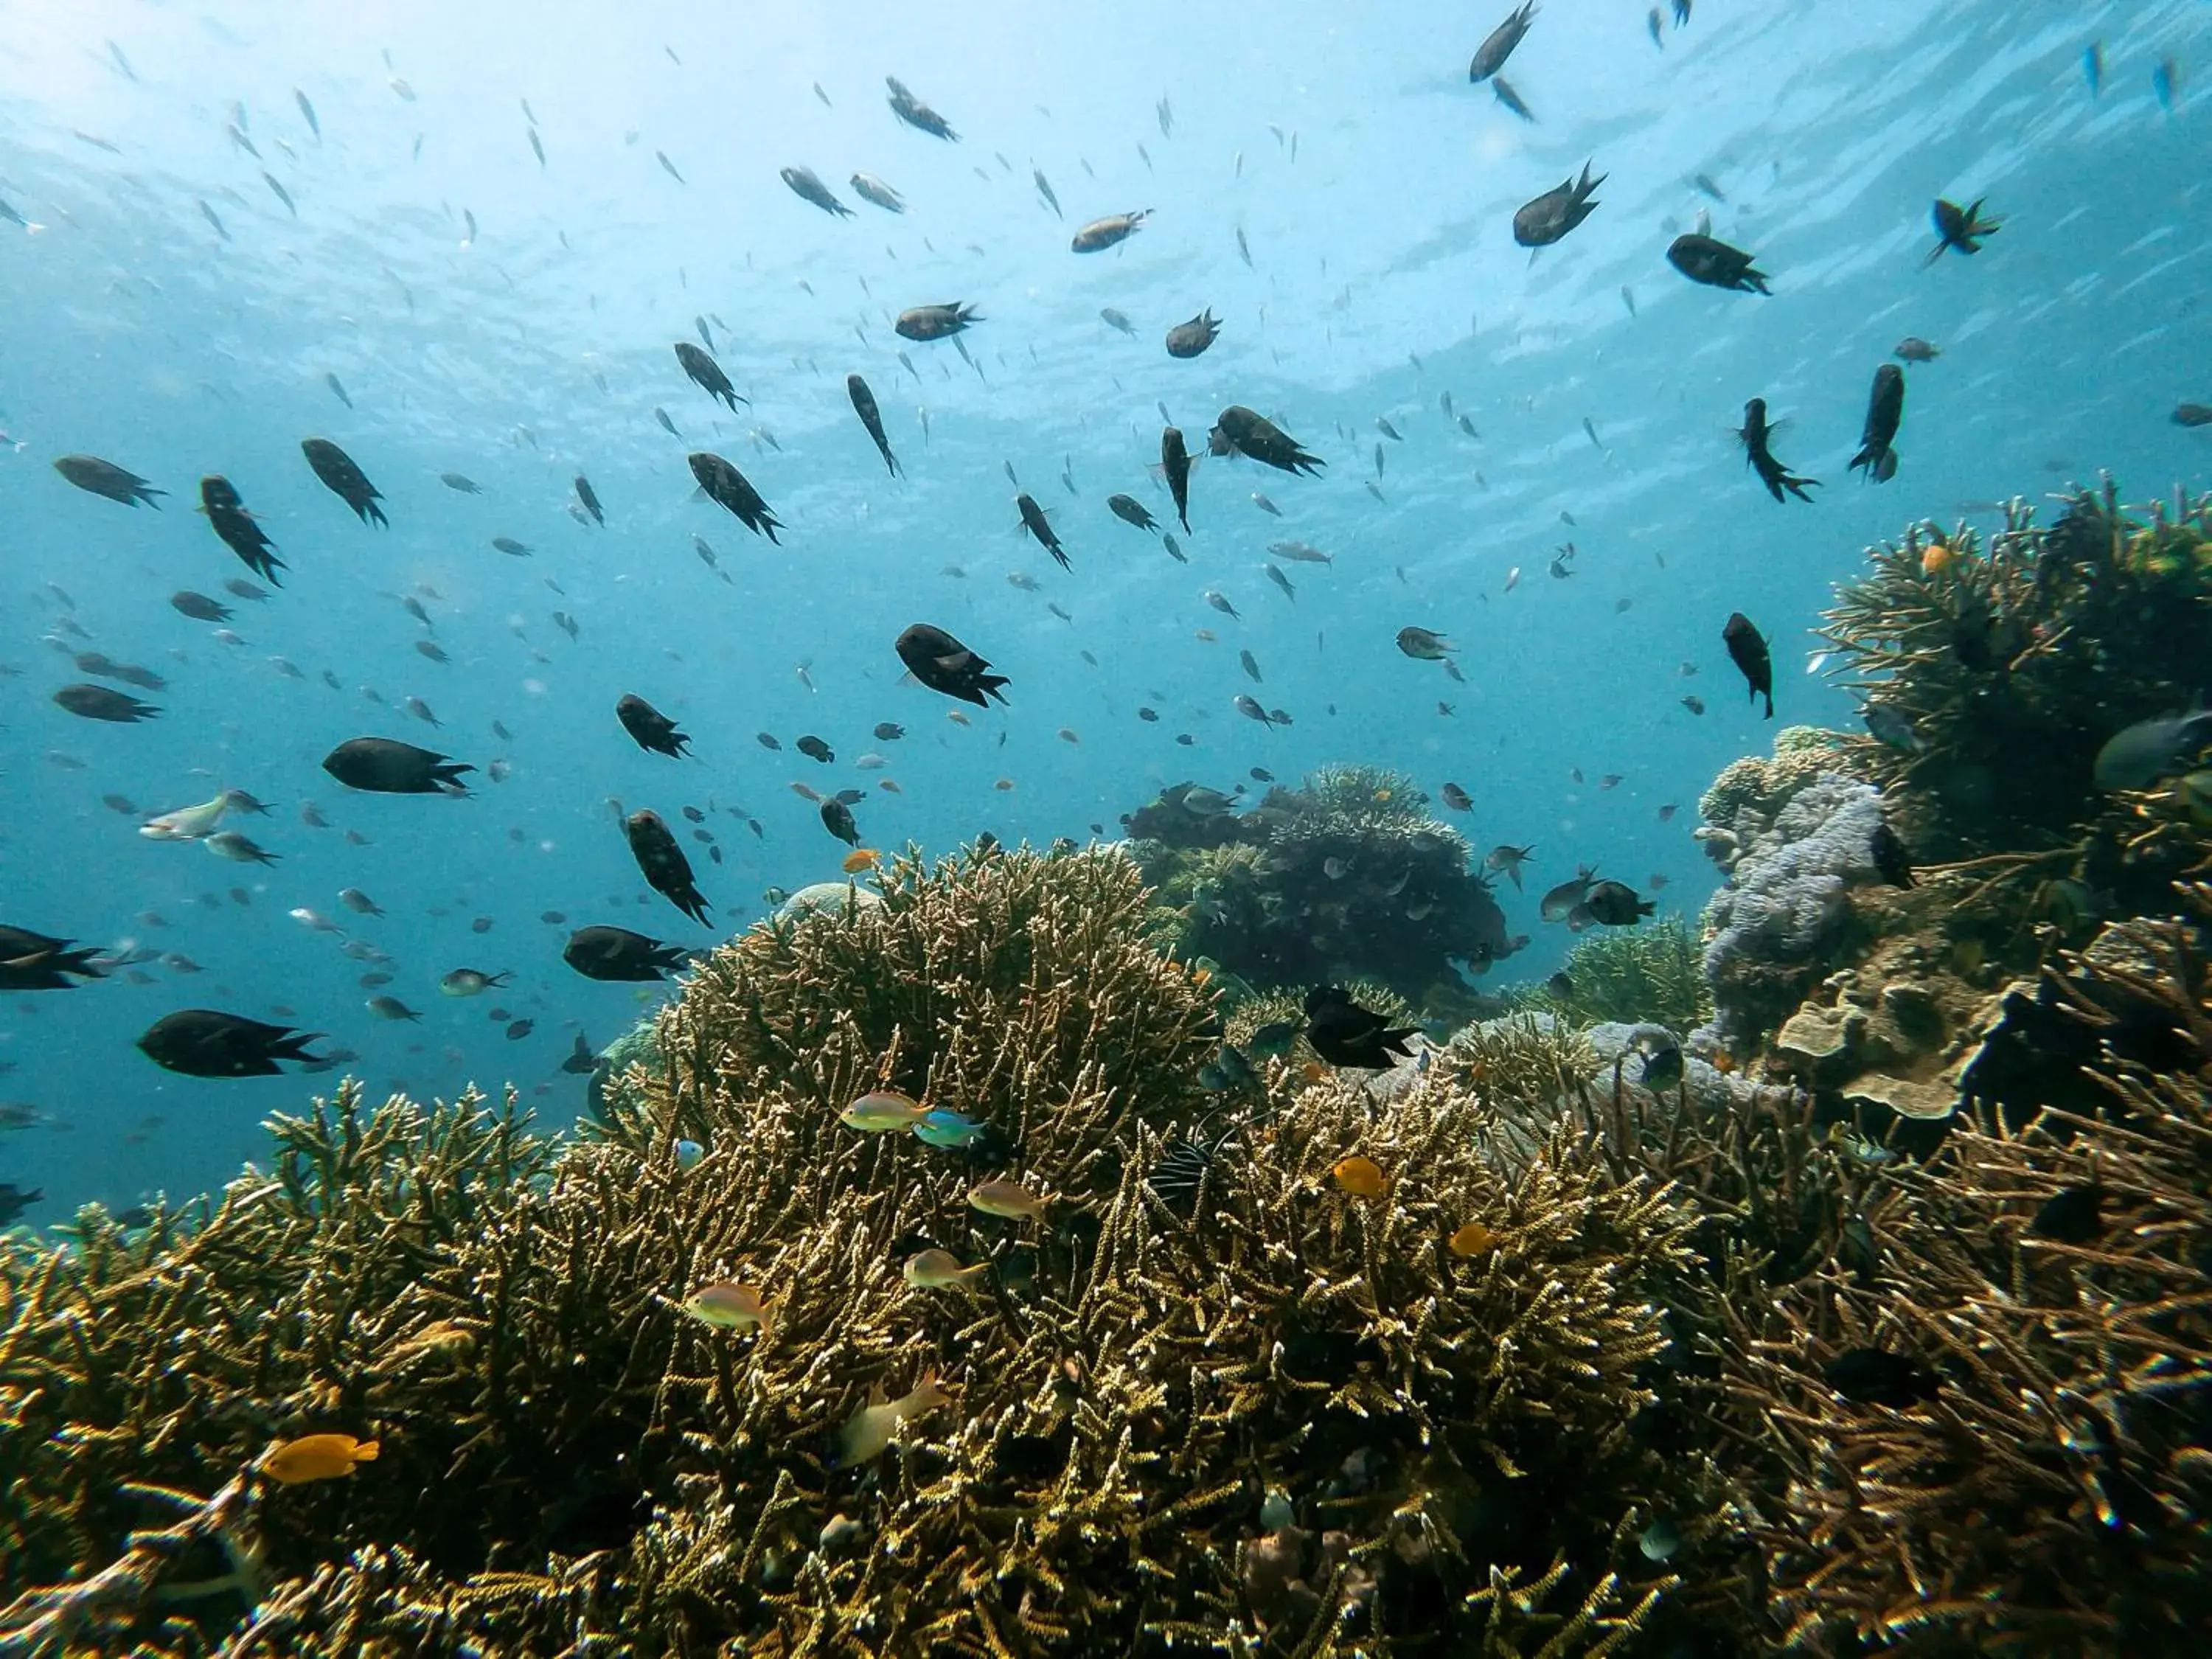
(1347, 877)
(1771, 929)
(1284, 1417)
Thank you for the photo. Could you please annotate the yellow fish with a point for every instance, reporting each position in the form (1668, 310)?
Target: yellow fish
(882, 1109)
(1362, 1177)
(1382, 796)
(940, 1270)
(865, 858)
(317, 1457)
(1474, 1239)
(728, 1307)
(1008, 1199)
(187, 822)
(1937, 555)
(872, 1427)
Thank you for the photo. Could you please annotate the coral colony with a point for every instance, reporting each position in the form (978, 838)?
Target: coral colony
(981, 1257)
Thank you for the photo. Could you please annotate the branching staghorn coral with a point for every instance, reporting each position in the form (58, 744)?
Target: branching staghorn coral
(2053, 1495)
(1137, 1395)
(1652, 975)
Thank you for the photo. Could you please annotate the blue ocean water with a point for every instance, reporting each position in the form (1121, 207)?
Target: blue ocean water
(1325, 179)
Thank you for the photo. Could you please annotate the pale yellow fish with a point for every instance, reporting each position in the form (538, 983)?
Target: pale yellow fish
(870, 1428)
(882, 1109)
(187, 822)
(1009, 1199)
(317, 1457)
(863, 858)
(940, 1270)
(728, 1307)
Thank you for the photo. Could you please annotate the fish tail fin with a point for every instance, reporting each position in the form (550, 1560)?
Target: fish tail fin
(366, 1452)
(372, 513)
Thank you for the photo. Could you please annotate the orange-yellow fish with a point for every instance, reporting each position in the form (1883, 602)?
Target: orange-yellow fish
(882, 1109)
(1362, 1177)
(1008, 1199)
(1723, 1061)
(940, 1270)
(1474, 1239)
(1313, 1071)
(1937, 555)
(870, 1428)
(1382, 795)
(317, 1457)
(728, 1307)
(865, 858)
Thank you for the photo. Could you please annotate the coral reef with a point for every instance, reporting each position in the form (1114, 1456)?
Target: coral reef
(1652, 975)
(1790, 857)
(1286, 1417)
(2004, 665)
(1345, 878)
(2046, 1490)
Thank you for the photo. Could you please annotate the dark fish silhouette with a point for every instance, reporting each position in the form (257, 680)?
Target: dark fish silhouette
(649, 728)
(808, 187)
(667, 871)
(1103, 233)
(345, 480)
(590, 499)
(837, 819)
(725, 486)
(1034, 521)
(1502, 89)
(1748, 650)
(1755, 432)
(1714, 263)
(384, 766)
(199, 607)
(707, 374)
(1615, 904)
(1884, 413)
(1344, 1033)
(618, 956)
(1249, 434)
(1540, 222)
(1959, 228)
(227, 516)
(917, 114)
(863, 405)
(1191, 338)
(2073, 1215)
(206, 1043)
(1891, 860)
(1873, 1376)
(1490, 56)
(100, 702)
(1175, 462)
(582, 1062)
(943, 664)
(32, 962)
(1129, 510)
(89, 472)
(937, 322)
(14, 1201)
